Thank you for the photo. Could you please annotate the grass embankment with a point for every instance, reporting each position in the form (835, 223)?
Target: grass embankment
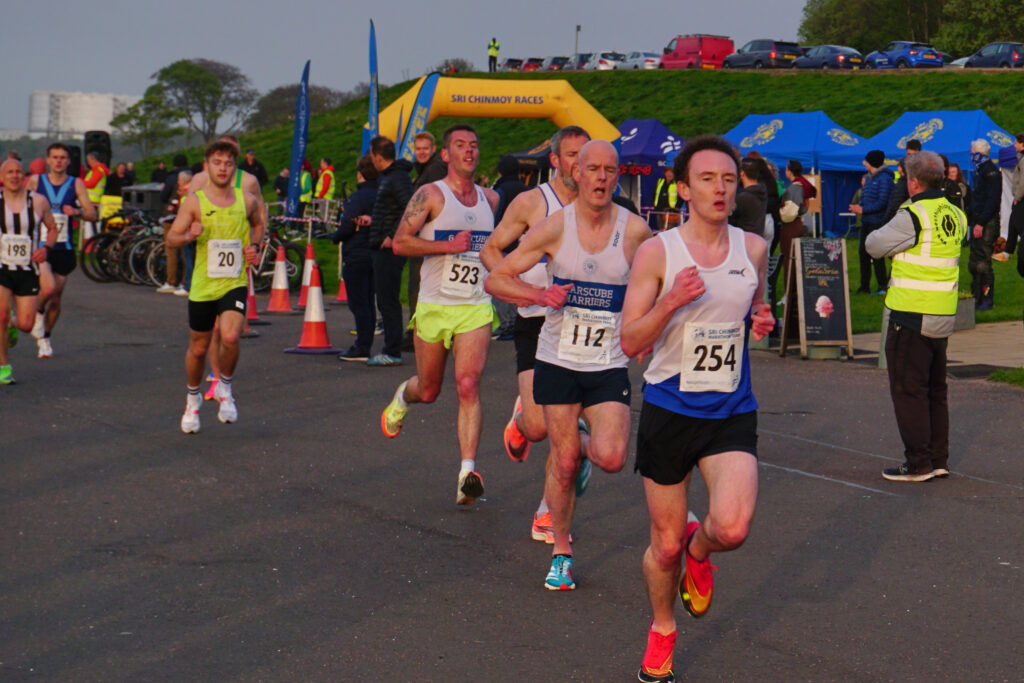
(691, 103)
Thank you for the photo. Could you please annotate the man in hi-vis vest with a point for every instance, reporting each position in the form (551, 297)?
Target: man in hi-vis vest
(924, 239)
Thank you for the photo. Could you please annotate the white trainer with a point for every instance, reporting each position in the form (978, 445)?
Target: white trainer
(38, 328)
(227, 412)
(190, 420)
(45, 348)
(165, 288)
(180, 291)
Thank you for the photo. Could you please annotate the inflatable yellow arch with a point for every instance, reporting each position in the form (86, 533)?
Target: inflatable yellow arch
(435, 95)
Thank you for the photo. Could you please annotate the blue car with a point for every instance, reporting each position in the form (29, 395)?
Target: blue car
(904, 54)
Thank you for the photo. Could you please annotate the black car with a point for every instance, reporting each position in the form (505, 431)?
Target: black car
(763, 54)
(1000, 55)
(829, 57)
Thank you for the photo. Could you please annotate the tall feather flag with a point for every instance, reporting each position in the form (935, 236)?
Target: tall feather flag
(371, 131)
(299, 137)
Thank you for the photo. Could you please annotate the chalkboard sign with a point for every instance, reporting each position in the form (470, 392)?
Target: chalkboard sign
(818, 291)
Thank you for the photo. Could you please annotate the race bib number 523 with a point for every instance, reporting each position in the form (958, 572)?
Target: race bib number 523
(712, 357)
(463, 275)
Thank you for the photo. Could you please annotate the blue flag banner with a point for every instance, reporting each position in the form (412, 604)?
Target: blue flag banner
(419, 115)
(371, 132)
(299, 137)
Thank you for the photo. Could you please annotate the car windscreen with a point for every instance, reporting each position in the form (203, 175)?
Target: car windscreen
(616, 56)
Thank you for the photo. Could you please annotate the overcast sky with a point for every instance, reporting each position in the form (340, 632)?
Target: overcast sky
(116, 45)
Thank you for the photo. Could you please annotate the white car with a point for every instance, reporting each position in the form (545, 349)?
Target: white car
(606, 60)
(640, 60)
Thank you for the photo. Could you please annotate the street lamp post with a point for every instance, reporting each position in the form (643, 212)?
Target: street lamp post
(576, 53)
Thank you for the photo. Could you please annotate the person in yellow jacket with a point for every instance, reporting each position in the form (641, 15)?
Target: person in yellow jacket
(666, 199)
(492, 55)
(325, 183)
(95, 185)
(924, 240)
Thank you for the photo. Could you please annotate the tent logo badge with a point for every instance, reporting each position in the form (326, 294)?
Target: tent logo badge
(924, 132)
(765, 133)
(631, 135)
(841, 137)
(999, 138)
(671, 144)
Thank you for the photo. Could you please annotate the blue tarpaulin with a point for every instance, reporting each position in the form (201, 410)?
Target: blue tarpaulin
(645, 144)
(807, 137)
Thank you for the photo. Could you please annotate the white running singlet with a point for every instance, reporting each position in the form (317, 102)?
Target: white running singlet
(453, 279)
(538, 274)
(584, 334)
(700, 366)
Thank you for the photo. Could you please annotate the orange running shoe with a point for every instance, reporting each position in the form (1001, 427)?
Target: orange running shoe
(657, 664)
(543, 529)
(211, 393)
(697, 583)
(516, 445)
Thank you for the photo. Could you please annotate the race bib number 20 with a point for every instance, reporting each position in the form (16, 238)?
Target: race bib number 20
(712, 357)
(224, 258)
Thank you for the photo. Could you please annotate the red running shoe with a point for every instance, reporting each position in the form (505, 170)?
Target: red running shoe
(697, 583)
(657, 664)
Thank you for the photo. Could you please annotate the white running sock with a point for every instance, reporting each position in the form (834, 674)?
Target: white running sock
(469, 464)
(542, 508)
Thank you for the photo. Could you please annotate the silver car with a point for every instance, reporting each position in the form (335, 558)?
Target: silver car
(640, 60)
(605, 60)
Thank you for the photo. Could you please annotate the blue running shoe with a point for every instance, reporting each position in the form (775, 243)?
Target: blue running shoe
(560, 576)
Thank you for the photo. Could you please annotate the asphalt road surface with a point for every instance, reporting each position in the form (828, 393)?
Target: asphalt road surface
(300, 544)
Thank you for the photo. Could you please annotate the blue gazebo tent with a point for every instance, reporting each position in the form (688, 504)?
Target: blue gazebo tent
(808, 137)
(645, 144)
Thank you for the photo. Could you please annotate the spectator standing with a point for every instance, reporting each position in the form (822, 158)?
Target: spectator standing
(158, 174)
(95, 183)
(924, 240)
(325, 183)
(281, 184)
(117, 181)
(394, 189)
(873, 206)
(958, 192)
(173, 285)
(130, 173)
(988, 189)
(666, 200)
(357, 262)
(492, 55)
(508, 186)
(170, 179)
(1017, 187)
(429, 168)
(254, 166)
(792, 227)
(751, 202)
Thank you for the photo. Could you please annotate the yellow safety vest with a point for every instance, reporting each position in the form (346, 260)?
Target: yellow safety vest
(673, 193)
(925, 277)
(328, 173)
(96, 193)
(306, 181)
(492, 49)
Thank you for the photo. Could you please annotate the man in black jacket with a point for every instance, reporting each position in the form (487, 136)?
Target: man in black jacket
(429, 167)
(254, 166)
(394, 189)
(984, 216)
(357, 263)
(751, 200)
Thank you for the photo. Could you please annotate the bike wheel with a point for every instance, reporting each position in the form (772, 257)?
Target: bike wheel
(93, 257)
(138, 255)
(156, 264)
(294, 258)
(294, 261)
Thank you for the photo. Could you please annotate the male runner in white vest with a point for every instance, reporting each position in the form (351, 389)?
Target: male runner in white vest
(694, 293)
(580, 368)
(447, 222)
(531, 207)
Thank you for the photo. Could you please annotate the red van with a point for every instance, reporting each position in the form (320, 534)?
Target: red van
(696, 52)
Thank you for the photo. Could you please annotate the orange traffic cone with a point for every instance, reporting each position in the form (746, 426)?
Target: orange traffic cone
(307, 270)
(342, 292)
(251, 316)
(280, 300)
(314, 327)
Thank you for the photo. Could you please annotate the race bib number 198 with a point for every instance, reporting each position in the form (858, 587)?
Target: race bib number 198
(15, 250)
(712, 357)
(224, 258)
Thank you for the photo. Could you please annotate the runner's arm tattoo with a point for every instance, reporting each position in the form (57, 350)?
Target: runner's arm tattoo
(414, 215)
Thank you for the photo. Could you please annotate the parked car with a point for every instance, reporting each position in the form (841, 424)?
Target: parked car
(958, 63)
(581, 60)
(764, 54)
(829, 57)
(639, 60)
(556, 64)
(904, 54)
(533, 64)
(999, 55)
(604, 61)
(511, 64)
(696, 51)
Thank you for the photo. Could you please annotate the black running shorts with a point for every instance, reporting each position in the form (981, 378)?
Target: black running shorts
(202, 315)
(62, 261)
(668, 444)
(20, 282)
(525, 334)
(555, 385)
